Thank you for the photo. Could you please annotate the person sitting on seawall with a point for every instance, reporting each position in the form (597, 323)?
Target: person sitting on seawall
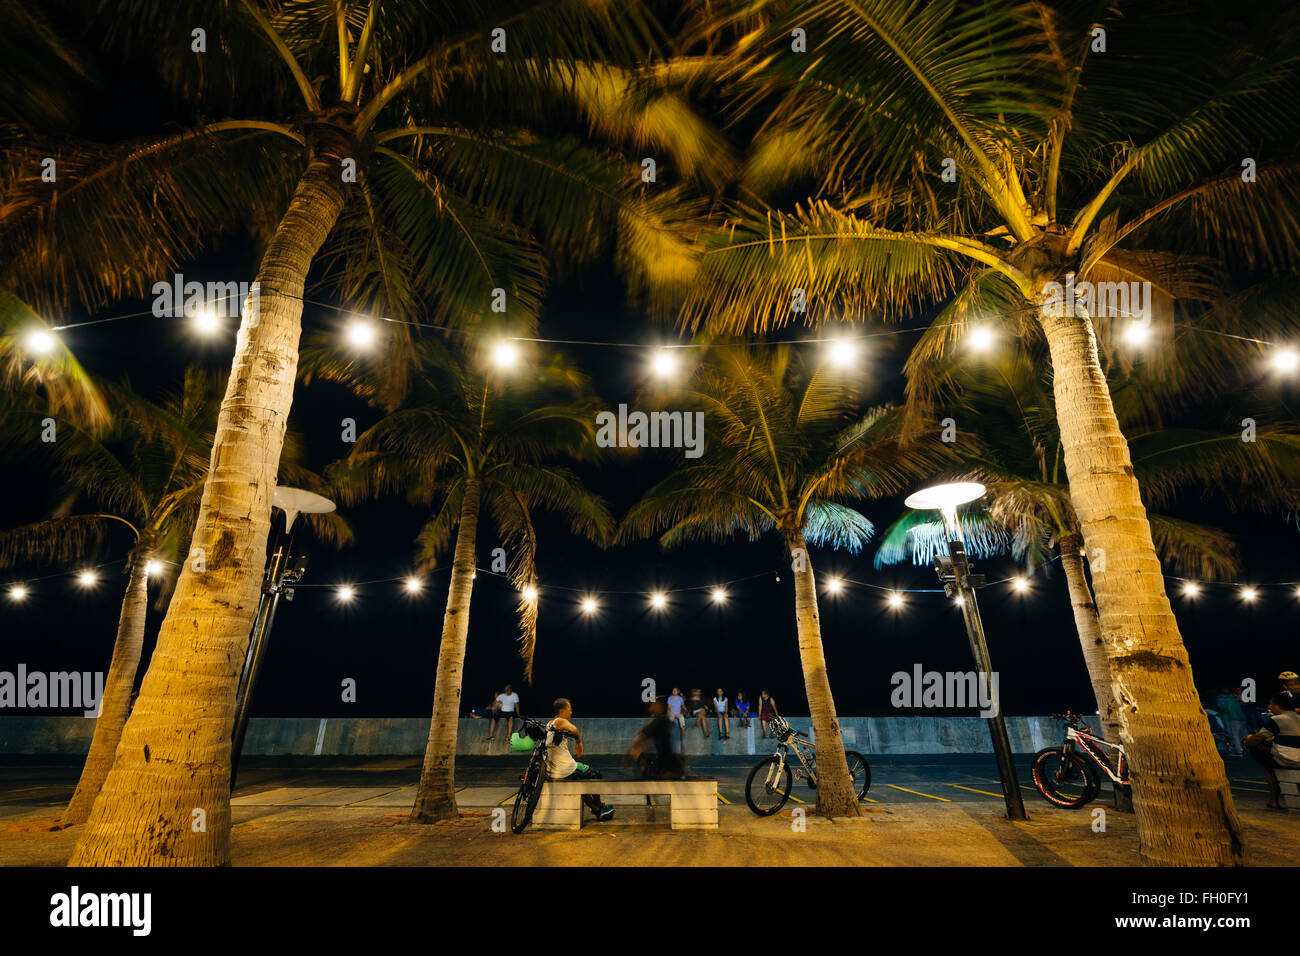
(508, 706)
(1277, 745)
(744, 713)
(560, 764)
(720, 712)
(695, 704)
(767, 711)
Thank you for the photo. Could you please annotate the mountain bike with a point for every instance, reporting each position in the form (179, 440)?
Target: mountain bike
(530, 787)
(1066, 779)
(770, 782)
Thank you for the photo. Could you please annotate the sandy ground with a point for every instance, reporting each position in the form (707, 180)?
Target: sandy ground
(952, 834)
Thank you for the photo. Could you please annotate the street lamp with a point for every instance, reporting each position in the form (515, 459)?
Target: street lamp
(960, 582)
(275, 582)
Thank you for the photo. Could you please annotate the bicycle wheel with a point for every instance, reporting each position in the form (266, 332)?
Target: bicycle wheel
(526, 798)
(1064, 780)
(768, 787)
(860, 771)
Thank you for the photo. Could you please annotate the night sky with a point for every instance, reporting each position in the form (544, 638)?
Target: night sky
(388, 641)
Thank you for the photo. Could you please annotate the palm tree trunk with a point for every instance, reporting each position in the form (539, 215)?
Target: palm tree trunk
(1185, 813)
(436, 797)
(1088, 624)
(117, 691)
(166, 801)
(835, 796)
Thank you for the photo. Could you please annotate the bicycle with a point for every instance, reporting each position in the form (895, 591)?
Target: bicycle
(1065, 779)
(775, 774)
(530, 787)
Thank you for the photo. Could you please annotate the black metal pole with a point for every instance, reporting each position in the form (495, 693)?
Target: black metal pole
(257, 649)
(980, 651)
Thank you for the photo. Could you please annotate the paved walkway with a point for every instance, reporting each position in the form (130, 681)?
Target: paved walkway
(924, 811)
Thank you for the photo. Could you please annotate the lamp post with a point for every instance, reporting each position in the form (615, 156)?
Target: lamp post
(955, 572)
(282, 572)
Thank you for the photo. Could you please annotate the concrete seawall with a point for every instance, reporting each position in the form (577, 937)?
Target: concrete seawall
(405, 736)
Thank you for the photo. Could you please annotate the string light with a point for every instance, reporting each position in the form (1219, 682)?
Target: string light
(1249, 594)
(87, 578)
(589, 605)
(345, 594)
(17, 593)
(41, 341)
(152, 569)
(505, 355)
(658, 600)
(1137, 333)
(960, 600)
(980, 339)
(663, 363)
(842, 353)
(895, 599)
(530, 594)
(834, 585)
(1020, 584)
(361, 334)
(413, 585)
(719, 596)
(206, 320)
(1191, 589)
(1286, 360)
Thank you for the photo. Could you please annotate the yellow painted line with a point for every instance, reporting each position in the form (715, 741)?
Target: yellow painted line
(1250, 789)
(724, 799)
(795, 799)
(973, 790)
(1237, 780)
(509, 799)
(918, 793)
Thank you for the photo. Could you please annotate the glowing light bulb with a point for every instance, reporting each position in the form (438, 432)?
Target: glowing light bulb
(87, 579)
(345, 594)
(1191, 589)
(413, 585)
(719, 596)
(895, 599)
(658, 600)
(206, 320)
(664, 363)
(530, 594)
(980, 339)
(834, 585)
(505, 355)
(361, 334)
(1137, 333)
(842, 352)
(17, 593)
(1249, 594)
(589, 606)
(1286, 361)
(152, 569)
(1020, 584)
(41, 341)
(960, 600)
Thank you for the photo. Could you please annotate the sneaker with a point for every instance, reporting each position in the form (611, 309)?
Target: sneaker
(606, 813)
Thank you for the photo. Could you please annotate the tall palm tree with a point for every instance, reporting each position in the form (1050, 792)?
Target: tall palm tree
(790, 446)
(1063, 165)
(472, 440)
(144, 474)
(421, 149)
(1014, 447)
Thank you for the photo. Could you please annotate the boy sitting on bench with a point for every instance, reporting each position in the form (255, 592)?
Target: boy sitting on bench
(560, 764)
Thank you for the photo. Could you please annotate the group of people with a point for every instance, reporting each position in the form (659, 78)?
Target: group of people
(722, 710)
(1273, 737)
(504, 706)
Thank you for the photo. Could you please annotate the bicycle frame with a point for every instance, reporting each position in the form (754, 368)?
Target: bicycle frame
(783, 749)
(1092, 746)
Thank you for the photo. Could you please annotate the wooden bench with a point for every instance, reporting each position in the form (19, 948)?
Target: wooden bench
(1288, 782)
(693, 804)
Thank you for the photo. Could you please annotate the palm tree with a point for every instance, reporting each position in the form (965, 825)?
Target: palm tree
(1015, 449)
(398, 133)
(145, 474)
(1063, 165)
(471, 441)
(790, 446)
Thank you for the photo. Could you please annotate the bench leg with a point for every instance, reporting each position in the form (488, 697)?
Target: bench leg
(693, 812)
(558, 811)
